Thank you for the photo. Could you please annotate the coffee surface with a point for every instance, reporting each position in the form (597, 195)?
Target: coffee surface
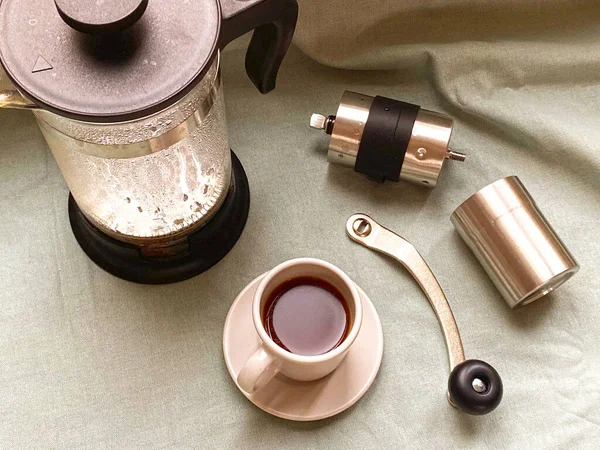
(306, 316)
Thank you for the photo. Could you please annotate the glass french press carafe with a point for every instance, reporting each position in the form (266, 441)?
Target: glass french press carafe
(128, 95)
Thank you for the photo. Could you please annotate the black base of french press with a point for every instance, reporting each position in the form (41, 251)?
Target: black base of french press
(205, 248)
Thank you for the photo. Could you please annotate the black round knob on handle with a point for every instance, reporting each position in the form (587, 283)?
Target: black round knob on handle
(475, 387)
(101, 16)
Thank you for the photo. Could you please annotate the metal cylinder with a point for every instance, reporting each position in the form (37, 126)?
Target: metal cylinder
(421, 153)
(428, 148)
(513, 241)
(347, 131)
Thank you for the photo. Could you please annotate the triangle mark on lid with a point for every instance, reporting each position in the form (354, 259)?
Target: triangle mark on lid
(41, 65)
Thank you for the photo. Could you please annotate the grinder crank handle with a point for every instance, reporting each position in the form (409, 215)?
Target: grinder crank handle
(273, 22)
(473, 386)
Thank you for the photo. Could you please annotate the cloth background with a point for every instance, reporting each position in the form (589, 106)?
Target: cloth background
(91, 361)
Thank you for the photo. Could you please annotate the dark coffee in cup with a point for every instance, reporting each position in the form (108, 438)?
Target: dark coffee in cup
(306, 316)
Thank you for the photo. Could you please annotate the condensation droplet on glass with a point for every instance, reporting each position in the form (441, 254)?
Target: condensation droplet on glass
(185, 197)
(127, 199)
(140, 209)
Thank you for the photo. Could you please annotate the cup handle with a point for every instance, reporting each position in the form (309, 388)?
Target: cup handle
(260, 368)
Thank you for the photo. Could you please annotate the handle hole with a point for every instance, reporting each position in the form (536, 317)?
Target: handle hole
(362, 227)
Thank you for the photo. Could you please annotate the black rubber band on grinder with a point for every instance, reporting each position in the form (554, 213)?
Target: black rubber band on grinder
(385, 138)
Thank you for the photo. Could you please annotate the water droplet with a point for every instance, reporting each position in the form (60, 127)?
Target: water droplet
(140, 209)
(185, 197)
(127, 199)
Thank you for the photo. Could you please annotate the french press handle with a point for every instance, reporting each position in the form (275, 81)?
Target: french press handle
(273, 22)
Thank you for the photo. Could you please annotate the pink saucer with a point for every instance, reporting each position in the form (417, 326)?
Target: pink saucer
(313, 400)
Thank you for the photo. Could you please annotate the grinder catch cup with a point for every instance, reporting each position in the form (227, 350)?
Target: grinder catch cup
(128, 96)
(514, 242)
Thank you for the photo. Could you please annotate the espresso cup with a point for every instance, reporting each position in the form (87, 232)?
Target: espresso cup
(271, 359)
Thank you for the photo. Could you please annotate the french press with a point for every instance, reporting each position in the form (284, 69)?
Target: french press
(128, 95)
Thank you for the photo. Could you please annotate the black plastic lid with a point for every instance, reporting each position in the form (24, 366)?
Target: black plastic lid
(107, 60)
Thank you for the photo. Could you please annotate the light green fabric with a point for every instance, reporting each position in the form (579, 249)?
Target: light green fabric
(91, 361)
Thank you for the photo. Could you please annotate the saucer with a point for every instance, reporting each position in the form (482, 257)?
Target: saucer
(304, 401)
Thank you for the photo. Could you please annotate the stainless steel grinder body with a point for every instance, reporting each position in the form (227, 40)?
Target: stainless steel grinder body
(387, 139)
